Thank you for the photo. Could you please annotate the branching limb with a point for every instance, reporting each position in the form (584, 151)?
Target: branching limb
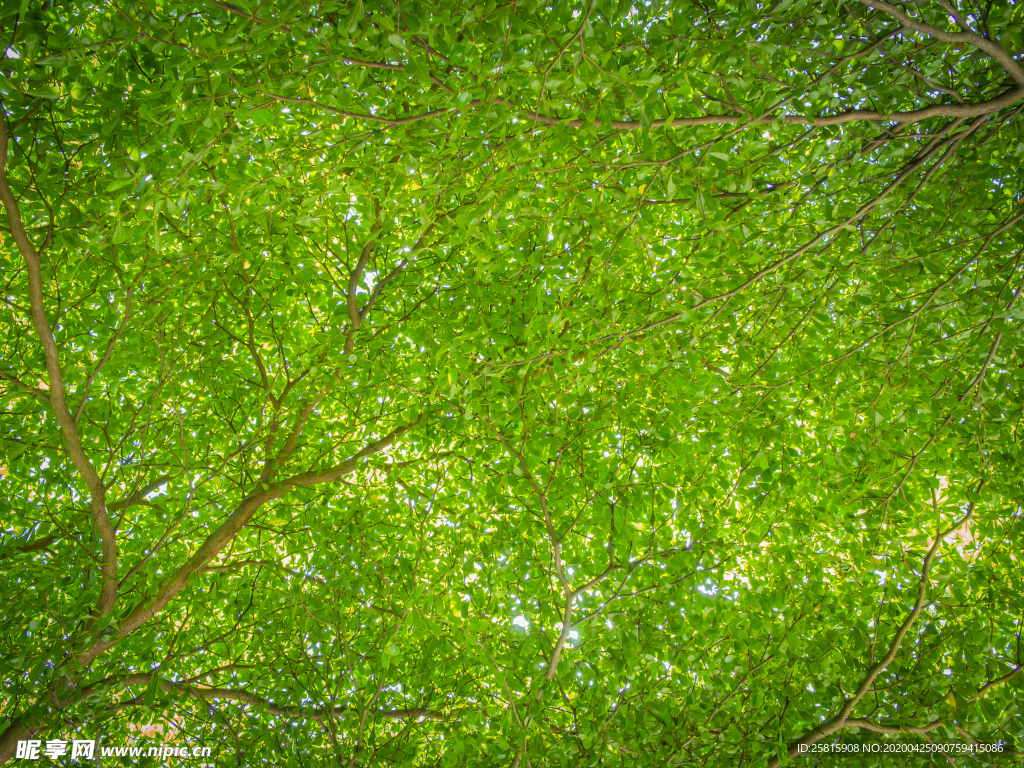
(34, 391)
(355, 317)
(57, 397)
(842, 718)
(138, 497)
(253, 700)
(1005, 60)
(894, 730)
(226, 533)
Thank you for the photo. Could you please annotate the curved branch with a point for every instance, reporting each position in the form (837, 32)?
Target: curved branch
(894, 730)
(253, 700)
(1005, 60)
(57, 395)
(227, 531)
(139, 496)
(962, 111)
(34, 391)
(842, 719)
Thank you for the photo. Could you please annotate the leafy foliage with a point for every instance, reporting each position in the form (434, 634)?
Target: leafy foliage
(570, 384)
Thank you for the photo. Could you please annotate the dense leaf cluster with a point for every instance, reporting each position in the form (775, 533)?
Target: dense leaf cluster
(565, 384)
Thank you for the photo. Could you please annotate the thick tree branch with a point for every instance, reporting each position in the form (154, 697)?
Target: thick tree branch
(34, 546)
(998, 681)
(18, 730)
(960, 110)
(226, 533)
(57, 396)
(1005, 60)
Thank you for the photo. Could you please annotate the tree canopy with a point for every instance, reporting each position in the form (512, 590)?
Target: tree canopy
(523, 384)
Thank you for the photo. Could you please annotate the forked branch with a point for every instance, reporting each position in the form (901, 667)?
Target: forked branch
(57, 394)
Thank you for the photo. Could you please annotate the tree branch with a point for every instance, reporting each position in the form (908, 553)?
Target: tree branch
(841, 720)
(1005, 60)
(106, 356)
(252, 700)
(227, 531)
(35, 391)
(895, 730)
(964, 111)
(139, 496)
(57, 397)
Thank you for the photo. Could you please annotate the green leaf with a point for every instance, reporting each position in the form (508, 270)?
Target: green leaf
(262, 117)
(356, 16)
